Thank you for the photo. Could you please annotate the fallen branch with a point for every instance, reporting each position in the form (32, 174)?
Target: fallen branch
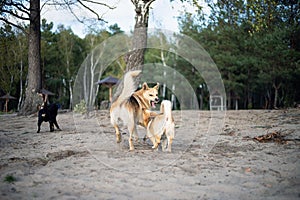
(275, 136)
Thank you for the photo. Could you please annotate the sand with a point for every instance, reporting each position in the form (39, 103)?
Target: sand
(213, 157)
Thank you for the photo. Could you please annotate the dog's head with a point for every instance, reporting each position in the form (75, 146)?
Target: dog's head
(151, 94)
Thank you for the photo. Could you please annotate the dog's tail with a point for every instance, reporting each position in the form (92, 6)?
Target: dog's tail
(166, 108)
(128, 85)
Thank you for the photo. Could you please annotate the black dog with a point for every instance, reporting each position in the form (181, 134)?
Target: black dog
(48, 113)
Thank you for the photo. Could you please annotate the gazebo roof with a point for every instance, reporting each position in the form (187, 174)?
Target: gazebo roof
(7, 96)
(46, 92)
(108, 81)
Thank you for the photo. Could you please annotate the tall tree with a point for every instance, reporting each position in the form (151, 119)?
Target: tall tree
(29, 10)
(34, 60)
(135, 58)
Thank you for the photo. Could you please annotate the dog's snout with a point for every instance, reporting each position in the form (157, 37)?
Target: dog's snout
(156, 99)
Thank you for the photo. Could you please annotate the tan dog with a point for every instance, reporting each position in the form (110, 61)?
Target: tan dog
(130, 106)
(162, 124)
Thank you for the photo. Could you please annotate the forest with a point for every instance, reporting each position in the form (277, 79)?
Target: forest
(255, 45)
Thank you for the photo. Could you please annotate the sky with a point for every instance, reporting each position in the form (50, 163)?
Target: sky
(163, 15)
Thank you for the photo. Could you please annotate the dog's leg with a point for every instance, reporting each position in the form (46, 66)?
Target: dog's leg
(170, 133)
(131, 146)
(56, 124)
(157, 141)
(152, 138)
(155, 146)
(170, 140)
(164, 144)
(132, 134)
(118, 135)
(39, 125)
(51, 126)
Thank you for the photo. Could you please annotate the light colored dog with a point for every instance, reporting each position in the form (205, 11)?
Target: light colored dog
(133, 107)
(162, 124)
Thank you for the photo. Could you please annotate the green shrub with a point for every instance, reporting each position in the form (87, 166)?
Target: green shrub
(9, 178)
(80, 108)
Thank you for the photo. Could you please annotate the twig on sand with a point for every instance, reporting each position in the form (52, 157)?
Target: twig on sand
(275, 136)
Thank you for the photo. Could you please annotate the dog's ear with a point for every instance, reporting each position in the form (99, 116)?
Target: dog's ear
(145, 86)
(157, 86)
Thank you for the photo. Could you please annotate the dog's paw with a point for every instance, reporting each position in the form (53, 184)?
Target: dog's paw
(168, 149)
(131, 149)
(119, 139)
(155, 149)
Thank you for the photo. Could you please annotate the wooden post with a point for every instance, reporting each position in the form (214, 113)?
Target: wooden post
(6, 104)
(110, 94)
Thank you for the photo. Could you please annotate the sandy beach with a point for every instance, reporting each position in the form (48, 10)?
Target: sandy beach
(213, 157)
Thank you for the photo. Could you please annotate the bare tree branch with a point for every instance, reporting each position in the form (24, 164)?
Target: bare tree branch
(19, 6)
(44, 4)
(99, 3)
(72, 12)
(13, 24)
(59, 3)
(19, 9)
(11, 3)
(148, 3)
(134, 2)
(86, 4)
(15, 15)
(14, 9)
(91, 10)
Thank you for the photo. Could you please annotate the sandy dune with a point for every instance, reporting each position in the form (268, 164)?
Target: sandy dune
(214, 157)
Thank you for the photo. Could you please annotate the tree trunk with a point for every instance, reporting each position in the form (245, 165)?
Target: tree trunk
(268, 100)
(21, 84)
(229, 100)
(135, 58)
(162, 56)
(71, 95)
(250, 103)
(236, 104)
(249, 95)
(276, 94)
(34, 58)
(69, 81)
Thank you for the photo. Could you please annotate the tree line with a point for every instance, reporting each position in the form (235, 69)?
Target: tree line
(62, 53)
(15, 13)
(255, 45)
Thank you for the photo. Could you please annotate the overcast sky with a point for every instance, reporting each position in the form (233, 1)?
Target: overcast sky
(162, 15)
